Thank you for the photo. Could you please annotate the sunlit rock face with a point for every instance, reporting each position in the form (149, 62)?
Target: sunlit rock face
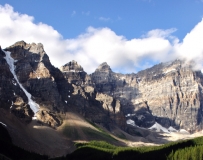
(92, 104)
(75, 74)
(168, 93)
(55, 91)
(12, 98)
(34, 71)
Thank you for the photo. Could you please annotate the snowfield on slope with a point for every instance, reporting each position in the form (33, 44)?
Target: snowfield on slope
(34, 106)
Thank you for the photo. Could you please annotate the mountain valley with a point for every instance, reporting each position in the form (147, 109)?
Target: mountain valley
(47, 109)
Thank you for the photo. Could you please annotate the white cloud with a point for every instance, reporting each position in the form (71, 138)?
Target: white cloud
(191, 48)
(103, 45)
(161, 33)
(99, 45)
(15, 27)
(104, 19)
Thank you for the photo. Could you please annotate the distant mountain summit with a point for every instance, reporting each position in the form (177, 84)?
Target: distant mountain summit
(167, 95)
(104, 67)
(72, 66)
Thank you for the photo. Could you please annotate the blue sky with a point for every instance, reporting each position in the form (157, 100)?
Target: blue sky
(81, 23)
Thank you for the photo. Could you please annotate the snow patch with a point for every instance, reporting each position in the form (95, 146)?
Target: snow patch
(158, 128)
(183, 131)
(3, 124)
(11, 105)
(34, 106)
(14, 83)
(202, 71)
(131, 122)
(34, 118)
(128, 115)
(68, 96)
(171, 129)
(66, 101)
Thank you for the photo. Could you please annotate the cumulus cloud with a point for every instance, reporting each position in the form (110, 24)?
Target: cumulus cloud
(15, 27)
(191, 48)
(98, 45)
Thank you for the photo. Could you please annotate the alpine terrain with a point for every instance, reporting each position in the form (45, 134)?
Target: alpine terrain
(47, 109)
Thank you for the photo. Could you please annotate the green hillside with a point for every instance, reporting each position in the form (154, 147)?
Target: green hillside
(100, 150)
(186, 150)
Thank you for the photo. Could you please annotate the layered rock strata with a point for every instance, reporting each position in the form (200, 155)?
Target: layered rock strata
(100, 108)
(55, 91)
(12, 96)
(35, 77)
(168, 93)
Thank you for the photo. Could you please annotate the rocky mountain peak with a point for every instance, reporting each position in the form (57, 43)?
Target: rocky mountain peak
(21, 49)
(36, 48)
(104, 67)
(72, 66)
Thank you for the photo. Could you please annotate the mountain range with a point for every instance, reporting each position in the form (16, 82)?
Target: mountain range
(46, 109)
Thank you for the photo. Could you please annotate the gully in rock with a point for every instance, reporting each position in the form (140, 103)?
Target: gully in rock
(33, 105)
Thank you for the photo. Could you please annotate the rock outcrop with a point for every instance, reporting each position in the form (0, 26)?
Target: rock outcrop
(168, 93)
(55, 91)
(94, 105)
(32, 72)
(75, 74)
(12, 96)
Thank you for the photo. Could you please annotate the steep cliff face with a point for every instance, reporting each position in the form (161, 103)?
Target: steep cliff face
(178, 91)
(55, 91)
(33, 73)
(94, 105)
(75, 74)
(12, 97)
(168, 93)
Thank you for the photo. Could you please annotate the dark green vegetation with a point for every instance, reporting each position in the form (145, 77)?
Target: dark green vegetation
(87, 133)
(186, 150)
(99, 150)
(9, 151)
(71, 132)
(101, 134)
(94, 134)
